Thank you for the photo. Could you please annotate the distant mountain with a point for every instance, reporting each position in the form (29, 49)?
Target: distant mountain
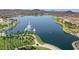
(69, 11)
(34, 12)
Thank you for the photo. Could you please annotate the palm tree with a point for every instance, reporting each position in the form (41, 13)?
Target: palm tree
(1, 33)
(4, 38)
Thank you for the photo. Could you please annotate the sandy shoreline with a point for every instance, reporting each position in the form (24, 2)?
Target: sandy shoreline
(46, 45)
(52, 47)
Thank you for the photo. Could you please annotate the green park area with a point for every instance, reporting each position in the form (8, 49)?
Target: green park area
(12, 42)
(23, 40)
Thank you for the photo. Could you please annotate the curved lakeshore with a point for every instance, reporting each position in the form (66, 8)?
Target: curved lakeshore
(68, 26)
(46, 45)
(60, 22)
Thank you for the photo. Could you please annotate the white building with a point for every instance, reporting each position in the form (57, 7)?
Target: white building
(2, 34)
(1, 20)
(29, 27)
(34, 30)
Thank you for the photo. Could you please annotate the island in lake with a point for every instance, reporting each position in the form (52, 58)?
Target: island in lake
(39, 29)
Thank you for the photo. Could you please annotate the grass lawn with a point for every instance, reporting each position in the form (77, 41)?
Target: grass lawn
(32, 48)
(10, 43)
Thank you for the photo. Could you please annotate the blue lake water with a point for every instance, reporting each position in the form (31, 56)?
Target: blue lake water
(47, 29)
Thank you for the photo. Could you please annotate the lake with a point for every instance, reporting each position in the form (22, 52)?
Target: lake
(47, 29)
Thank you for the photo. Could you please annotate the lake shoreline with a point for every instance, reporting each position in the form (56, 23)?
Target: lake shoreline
(65, 29)
(46, 45)
(52, 47)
